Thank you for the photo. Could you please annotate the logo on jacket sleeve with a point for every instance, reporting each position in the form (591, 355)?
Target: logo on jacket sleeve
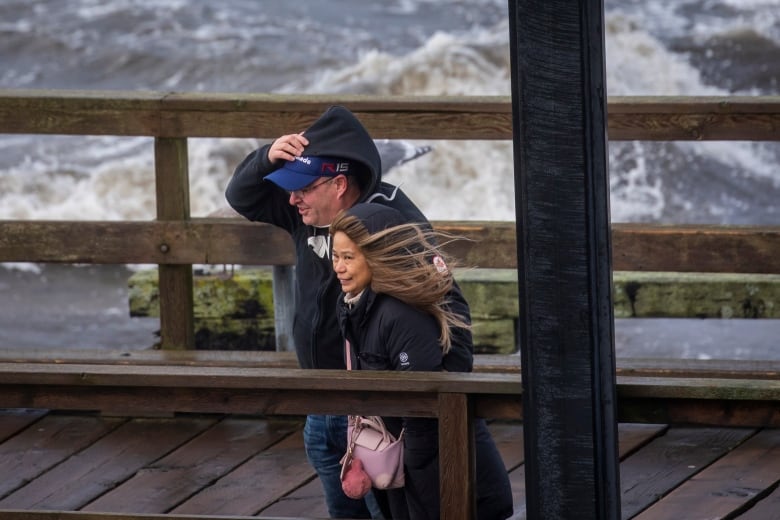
(403, 357)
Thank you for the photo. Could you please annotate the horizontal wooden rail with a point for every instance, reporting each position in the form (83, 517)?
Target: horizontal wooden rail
(347, 391)
(736, 249)
(143, 389)
(195, 241)
(747, 249)
(483, 363)
(637, 247)
(707, 401)
(162, 114)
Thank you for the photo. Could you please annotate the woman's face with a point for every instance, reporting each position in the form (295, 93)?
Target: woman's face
(350, 264)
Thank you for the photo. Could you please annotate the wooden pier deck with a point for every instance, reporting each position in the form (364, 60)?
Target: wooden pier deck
(242, 466)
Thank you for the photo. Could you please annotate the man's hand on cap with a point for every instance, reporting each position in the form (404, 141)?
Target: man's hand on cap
(287, 147)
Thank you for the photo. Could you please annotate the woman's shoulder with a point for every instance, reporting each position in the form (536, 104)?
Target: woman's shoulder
(390, 303)
(394, 310)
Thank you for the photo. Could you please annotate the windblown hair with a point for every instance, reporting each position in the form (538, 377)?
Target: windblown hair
(401, 259)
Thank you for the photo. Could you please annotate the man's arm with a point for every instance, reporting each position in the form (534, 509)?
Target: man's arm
(256, 199)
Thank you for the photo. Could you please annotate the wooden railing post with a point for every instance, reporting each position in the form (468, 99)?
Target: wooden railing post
(457, 459)
(177, 322)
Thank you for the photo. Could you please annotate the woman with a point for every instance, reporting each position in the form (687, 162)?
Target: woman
(394, 314)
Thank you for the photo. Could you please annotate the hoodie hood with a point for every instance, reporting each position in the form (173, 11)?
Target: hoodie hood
(338, 133)
(376, 217)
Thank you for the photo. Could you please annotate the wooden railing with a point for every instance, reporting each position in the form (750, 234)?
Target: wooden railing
(175, 241)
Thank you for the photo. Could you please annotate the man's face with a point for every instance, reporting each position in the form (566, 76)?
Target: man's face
(317, 203)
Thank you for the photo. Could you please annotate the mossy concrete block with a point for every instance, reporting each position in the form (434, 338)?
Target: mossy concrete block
(143, 295)
(236, 311)
(232, 312)
(491, 293)
(696, 295)
(244, 294)
(494, 336)
(234, 334)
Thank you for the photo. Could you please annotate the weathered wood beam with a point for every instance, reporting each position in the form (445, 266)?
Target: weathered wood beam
(111, 375)
(163, 114)
(139, 390)
(456, 429)
(197, 241)
(749, 249)
(636, 247)
(172, 180)
(680, 118)
(705, 401)
(696, 392)
(483, 363)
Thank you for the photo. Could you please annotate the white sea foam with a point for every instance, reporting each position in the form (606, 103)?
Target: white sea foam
(637, 63)
(111, 178)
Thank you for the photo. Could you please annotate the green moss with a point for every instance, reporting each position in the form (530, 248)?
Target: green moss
(235, 310)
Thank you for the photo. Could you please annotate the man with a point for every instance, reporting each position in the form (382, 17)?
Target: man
(300, 182)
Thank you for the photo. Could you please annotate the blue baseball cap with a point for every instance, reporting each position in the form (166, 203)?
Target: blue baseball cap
(302, 171)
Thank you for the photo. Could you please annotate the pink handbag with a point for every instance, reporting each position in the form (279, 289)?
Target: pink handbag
(379, 452)
(374, 456)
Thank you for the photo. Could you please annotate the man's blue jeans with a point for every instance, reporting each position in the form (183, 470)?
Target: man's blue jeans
(325, 438)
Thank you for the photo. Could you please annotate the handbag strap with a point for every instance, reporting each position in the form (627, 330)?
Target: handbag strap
(359, 421)
(348, 353)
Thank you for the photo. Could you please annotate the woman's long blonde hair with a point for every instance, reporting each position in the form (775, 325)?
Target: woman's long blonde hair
(407, 264)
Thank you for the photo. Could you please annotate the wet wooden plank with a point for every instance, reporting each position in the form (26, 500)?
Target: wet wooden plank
(509, 441)
(81, 515)
(631, 437)
(14, 420)
(517, 481)
(112, 459)
(730, 484)
(192, 467)
(47, 443)
(257, 483)
(668, 461)
(767, 508)
(305, 502)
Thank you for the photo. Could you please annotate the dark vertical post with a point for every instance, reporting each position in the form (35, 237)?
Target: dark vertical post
(564, 259)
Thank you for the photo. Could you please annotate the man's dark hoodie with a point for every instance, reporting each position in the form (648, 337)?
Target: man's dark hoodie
(337, 133)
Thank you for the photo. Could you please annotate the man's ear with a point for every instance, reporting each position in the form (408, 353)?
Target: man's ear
(342, 184)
